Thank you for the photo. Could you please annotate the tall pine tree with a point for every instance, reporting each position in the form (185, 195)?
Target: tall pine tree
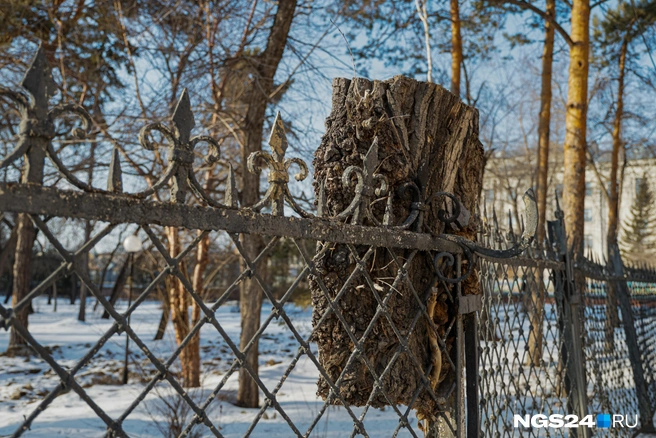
(638, 240)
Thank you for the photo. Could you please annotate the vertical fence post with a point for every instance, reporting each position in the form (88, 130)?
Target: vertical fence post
(624, 298)
(36, 131)
(467, 408)
(569, 296)
(460, 362)
(470, 324)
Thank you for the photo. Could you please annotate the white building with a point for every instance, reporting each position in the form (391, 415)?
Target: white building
(506, 179)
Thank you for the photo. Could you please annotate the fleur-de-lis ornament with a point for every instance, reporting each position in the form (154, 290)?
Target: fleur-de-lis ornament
(181, 152)
(278, 191)
(37, 128)
(365, 187)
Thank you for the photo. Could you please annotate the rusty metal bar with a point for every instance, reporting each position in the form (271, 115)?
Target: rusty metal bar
(120, 209)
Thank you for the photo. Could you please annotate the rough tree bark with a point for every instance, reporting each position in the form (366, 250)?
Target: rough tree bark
(250, 294)
(537, 294)
(576, 124)
(425, 135)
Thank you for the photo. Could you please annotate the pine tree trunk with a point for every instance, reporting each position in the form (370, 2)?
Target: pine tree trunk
(179, 303)
(456, 47)
(544, 122)
(425, 135)
(536, 305)
(612, 317)
(576, 124)
(197, 283)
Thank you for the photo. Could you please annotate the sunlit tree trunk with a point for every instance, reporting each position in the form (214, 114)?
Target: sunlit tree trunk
(197, 283)
(179, 303)
(456, 48)
(575, 123)
(537, 294)
(544, 121)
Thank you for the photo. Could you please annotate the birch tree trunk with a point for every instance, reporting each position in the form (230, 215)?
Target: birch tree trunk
(425, 135)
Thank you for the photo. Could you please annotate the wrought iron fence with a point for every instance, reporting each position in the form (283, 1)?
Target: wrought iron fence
(529, 342)
(549, 342)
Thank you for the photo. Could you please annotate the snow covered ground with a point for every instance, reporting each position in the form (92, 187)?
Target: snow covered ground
(25, 382)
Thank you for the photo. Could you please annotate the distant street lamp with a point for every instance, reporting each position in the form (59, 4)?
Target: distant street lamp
(132, 245)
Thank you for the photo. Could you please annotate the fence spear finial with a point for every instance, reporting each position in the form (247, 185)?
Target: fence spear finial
(183, 117)
(278, 138)
(495, 222)
(231, 193)
(115, 177)
(38, 81)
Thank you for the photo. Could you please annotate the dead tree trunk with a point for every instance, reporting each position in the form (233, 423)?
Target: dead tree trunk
(426, 135)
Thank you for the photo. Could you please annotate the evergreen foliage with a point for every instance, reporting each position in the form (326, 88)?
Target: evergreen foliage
(638, 240)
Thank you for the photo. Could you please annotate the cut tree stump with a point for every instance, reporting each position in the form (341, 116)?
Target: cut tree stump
(426, 135)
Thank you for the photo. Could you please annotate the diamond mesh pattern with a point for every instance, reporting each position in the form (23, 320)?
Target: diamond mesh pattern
(643, 296)
(515, 378)
(611, 388)
(163, 368)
